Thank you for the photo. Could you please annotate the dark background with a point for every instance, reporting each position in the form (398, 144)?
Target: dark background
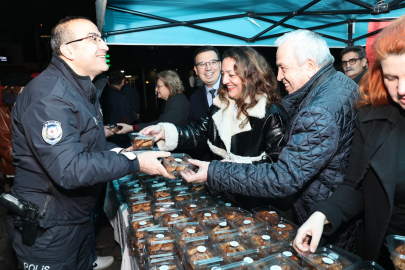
(25, 24)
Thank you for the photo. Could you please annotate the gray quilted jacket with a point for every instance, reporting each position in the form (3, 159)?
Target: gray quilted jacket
(313, 163)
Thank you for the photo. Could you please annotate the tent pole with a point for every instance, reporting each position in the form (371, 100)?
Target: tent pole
(144, 89)
(394, 2)
(350, 32)
(361, 4)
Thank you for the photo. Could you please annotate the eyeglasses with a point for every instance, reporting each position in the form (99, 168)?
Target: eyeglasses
(95, 38)
(212, 63)
(158, 86)
(351, 61)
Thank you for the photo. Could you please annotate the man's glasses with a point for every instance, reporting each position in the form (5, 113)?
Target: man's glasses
(95, 38)
(351, 61)
(212, 63)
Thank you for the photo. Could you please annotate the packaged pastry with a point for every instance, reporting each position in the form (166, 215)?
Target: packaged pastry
(243, 265)
(209, 214)
(164, 263)
(174, 216)
(113, 127)
(265, 238)
(136, 246)
(135, 191)
(159, 209)
(248, 224)
(198, 187)
(268, 214)
(141, 141)
(236, 247)
(161, 192)
(130, 184)
(396, 246)
(285, 227)
(164, 199)
(159, 242)
(232, 213)
(204, 197)
(286, 249)
(182, 195)
(224, 201)
(275, 262)
(191, 206)
(326, 258)
(188, 232)
(144, 205)
(201, 255)
(137, 198)
(176, 163)
(179, 185)
(139, 224)
(156, 183)
(367, 265)
(219, 227)
(144, 176)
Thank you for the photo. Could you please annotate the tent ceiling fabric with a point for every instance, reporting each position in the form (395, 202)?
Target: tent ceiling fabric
(240, 22)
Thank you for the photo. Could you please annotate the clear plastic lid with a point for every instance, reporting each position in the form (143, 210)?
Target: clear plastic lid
(144, 176)
(198, 187)
(248, 224)
(286, 249)
(201, 254)
(266, 237)
(204, 197)
(135, 192)
(136, 246)
(248, 257)
(174, 216)
(235, 243)
(285, 227)
(223, 201)
(137, 198)
(209, 214)
(367, 265)
(232, 213)
(219, 227)
(165, 263)
(191, 206)
(268, 214)
(140, 206)
(179, 185)
(176, 163)
(325, 258)
(159, 209)
(275, 262)
(160, 242)
(113, 127)
(188, 232)
(183, 196)
(164, 200)
(131, 184)
(242, 265)
(161, 192)
(141, 141)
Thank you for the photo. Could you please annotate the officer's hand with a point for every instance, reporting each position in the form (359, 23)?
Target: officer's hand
(149, 163)
(311, 229)
(108, 132)
(156, 130)
(125, 128)
(202, 174)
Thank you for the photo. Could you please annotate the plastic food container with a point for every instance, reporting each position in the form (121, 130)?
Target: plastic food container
(141, 141)
(265, 238)
(140, 224)
(130, 184)
(164, 200)
(136, 246)
(159, 242)
(204, 197)
(396, 246)
(285, 227)
(192, 206)
(165, 263)
(189, 232)
(325, 258)
(176, 163)
(234, 266)
(200, 255)
(141, 206)
(248, 224)
(174, 216)
(161, 192)
(236, 247)
(268, 214)
(144, 176)
(367, 265)
(159, 209)
(182, 195)
(137, 198)
(209, 214)
(113, 127)
(286, 249)
(225, 202)
(219, 227)
(135, 191)
(232, 213)
(156, 183)
(275, 262)
(179, 185)
(198, 187)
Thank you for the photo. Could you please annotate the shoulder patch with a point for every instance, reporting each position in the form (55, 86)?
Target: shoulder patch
(52, 132)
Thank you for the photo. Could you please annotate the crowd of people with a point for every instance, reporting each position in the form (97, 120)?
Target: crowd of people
(327, 154)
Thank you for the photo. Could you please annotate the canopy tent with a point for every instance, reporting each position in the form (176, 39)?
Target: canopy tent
(239, 22)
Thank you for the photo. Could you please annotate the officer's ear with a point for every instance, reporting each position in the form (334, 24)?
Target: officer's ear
(312, 69)
(67, 51)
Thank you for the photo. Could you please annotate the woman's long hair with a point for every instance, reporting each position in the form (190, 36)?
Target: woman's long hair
(390, 42)
(257, 79)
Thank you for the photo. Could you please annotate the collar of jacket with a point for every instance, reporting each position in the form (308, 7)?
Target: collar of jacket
(358, 78)
(83, 84)
(293, 101)
(391, 113)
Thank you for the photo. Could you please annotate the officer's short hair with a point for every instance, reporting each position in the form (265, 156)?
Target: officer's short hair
(205, 49)
(357, 49)
(60, 33)
(116, 77)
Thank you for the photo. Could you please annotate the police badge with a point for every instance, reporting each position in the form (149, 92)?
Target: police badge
(52, 132)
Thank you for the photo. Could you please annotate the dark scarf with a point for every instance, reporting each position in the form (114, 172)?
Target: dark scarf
(358, 78)
(8, 98)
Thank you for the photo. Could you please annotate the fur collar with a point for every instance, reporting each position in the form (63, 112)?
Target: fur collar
(227, 127)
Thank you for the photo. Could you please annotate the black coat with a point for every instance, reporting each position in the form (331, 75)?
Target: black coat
(261, 138)
(175, 111)
(198, 105)
(377, 150)
(313, 163)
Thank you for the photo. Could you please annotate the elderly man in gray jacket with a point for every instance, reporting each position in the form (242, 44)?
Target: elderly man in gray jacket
(320, 105)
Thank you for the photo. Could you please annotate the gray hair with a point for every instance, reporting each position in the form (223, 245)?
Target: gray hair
(171, 80)
(307, 45)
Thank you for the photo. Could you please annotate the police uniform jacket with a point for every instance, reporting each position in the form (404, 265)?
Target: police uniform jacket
(60, 147)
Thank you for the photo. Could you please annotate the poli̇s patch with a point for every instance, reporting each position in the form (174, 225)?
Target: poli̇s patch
(52, 132)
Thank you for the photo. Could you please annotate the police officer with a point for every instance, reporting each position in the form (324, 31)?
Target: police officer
(60, 150)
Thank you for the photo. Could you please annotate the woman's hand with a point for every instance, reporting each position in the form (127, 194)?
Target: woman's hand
(156, 130)
(202, 174)
(312, 228)
(125, 128)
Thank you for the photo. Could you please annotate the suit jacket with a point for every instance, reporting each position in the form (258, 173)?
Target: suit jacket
(374, 166)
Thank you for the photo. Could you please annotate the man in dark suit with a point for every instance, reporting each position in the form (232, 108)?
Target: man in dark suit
(207, 65)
